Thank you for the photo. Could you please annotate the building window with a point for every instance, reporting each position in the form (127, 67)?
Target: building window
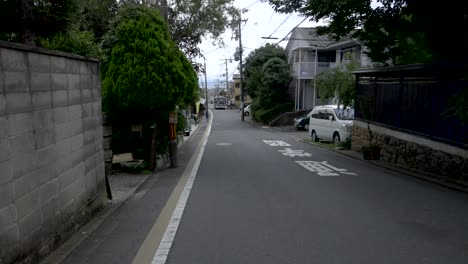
(237, 98)
(237, 85)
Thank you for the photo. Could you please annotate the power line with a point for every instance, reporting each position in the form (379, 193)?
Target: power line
(245, 24)
(290, 31)
(269, 21)
(282, 23)
(252, 4)
(271, 16)
(211, 51)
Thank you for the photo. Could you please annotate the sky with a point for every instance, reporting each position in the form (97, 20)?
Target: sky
(262, 21)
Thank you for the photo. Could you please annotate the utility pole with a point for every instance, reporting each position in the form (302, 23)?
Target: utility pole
(226, 75)
(240, 68)
(227, 81)
(164, 11)
(206, 88)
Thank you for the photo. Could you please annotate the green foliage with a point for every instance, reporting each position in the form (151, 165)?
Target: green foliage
(458, 107)
(254, 62)
(273, 86)
(143, 71)
(395, 31)
(191, 21)
(267, 79)
(144, 74)
(24, 20)
(267, 115)
(339, 82)
(222, 93)
(95, 16)
(76, 42)
(345, 144)
(181, 122)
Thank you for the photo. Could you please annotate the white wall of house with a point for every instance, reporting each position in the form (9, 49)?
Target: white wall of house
(301, 58)
(293, 46)
(306, 93)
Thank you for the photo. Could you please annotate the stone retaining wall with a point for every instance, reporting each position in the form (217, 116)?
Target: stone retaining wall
(430, 158)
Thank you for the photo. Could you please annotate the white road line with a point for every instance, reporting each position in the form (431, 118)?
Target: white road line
(349, 173)
(165, 245)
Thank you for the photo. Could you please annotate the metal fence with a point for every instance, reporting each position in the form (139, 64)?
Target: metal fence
(415, 99)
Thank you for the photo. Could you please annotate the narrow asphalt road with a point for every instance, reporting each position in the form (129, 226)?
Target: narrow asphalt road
(261, 196)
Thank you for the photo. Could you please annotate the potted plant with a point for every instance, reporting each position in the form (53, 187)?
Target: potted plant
(371, 151)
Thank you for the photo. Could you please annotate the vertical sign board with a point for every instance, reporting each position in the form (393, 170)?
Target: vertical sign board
(173, 117)
(172, 125)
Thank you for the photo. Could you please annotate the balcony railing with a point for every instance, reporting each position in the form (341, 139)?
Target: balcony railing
(306, 70)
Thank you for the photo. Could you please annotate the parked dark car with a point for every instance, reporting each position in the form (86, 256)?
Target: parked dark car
(302, 123)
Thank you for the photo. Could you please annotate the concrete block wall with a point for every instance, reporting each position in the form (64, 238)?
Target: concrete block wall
(432, 159)
(51, 149)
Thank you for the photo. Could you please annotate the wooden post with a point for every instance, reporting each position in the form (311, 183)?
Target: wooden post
(173, 138)
(154, 154)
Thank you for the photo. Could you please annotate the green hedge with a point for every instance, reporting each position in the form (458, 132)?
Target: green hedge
(267, 115)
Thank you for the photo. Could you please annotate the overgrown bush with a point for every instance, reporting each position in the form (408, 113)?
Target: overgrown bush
(75, 42)
(181, 123)
(345, 144)
(267, 115)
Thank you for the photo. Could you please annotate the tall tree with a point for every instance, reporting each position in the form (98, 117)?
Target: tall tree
(191, 21)
(254, 66)
(26, 20)
(95, 16)
(143, 71)
(144, 76)
(274, 86)
(267, 79)
(396, 31)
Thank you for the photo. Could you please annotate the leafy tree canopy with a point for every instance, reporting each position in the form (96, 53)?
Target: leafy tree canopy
(222, 93)
(254, 64)
(25, 20)
(267, 79)
(395, 31)
(143, 71)
(190, 21)
(274, 83)
(95, 16)
(339, 82)
(72, 41)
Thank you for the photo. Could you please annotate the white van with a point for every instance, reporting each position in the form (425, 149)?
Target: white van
(330, 123)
